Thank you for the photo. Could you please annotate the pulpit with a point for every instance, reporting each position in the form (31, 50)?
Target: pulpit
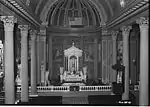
(70, 73)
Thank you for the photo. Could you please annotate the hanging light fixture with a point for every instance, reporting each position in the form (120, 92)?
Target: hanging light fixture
(122, 3)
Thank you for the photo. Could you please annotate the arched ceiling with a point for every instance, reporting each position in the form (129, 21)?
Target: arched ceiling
(110, 11)
(107, 8)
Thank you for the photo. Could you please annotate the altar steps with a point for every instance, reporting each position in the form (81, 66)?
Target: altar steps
(75, 100)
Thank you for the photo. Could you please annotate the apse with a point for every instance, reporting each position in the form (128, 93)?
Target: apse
(73, 13)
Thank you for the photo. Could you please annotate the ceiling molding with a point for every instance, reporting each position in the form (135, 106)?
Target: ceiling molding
(74, 30)
(13, 5)
(44, 13)
(38, 6)
(101, 10)
(110, 8)
(138, 8)
(70, 34)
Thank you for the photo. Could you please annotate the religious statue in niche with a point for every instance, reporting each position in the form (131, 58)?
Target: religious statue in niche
(119, 61)
(72, 65)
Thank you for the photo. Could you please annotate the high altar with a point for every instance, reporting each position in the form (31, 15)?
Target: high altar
(70, 74)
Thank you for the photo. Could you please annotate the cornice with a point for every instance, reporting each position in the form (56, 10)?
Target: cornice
(28, 10)
(13, 5)
(73, 34)
(143, 5)
(73, 30)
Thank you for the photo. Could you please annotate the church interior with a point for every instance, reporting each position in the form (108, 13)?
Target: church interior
(70, 52)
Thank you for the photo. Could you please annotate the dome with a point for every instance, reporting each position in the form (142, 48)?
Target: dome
(71, 13)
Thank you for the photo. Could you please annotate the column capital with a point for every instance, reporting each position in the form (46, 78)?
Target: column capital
(114, 34)
(8, 22)
(143, 22)
(33, 34)
(43, 38)
(42, 31)
(125, 30)
(24, 29)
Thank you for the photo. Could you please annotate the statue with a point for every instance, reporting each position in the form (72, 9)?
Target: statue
(120, 70)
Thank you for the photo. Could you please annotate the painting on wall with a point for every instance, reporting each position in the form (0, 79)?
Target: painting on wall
(88, 53)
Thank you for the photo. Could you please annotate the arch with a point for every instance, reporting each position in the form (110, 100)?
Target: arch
(49, 4)
(99, 7)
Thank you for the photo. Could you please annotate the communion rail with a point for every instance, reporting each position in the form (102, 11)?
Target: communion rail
(95, 88)
(67, 88)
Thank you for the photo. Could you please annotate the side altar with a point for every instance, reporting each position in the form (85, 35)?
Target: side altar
(70, 74)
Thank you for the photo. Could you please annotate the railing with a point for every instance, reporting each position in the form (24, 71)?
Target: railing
(48, 89)
(53, 88)
(67, 88)
(95, 88)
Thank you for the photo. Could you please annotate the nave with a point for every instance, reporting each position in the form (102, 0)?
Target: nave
(74, 52)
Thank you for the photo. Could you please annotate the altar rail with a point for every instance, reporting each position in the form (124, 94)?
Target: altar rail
(67, 88)
(53, 88)
(95, 88)
(48, 89)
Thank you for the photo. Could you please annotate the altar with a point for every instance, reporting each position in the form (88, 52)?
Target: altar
(70, 73)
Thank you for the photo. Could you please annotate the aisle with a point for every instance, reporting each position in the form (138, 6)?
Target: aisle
(75, 100)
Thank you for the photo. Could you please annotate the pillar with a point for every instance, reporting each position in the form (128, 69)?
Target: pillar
(33, 63)
(50, 56)
(38, 59)
(82, 48)
(44, 50)
(65, 59)
(125, 34)
(24, 63)
(114, 38)
(42, 58)
(144, 72)
(44, 40)
(9, 58)
(95, 58)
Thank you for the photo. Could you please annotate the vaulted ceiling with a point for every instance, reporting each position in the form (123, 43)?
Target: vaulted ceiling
(107, 8)
(108, 11)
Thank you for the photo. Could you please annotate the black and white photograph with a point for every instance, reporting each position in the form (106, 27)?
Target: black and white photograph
(74, 52)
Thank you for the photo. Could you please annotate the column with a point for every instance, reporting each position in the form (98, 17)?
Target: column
(9, 58)
(144, 72)
(65, 58)
(82, 48)
(125, 34)
(33, 63)
(114, 38)
(44, 56)
(38, 59)
(50, 56)
(95, 58)
(24, 63)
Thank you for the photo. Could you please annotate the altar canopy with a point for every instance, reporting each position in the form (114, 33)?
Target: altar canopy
(71, 72)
